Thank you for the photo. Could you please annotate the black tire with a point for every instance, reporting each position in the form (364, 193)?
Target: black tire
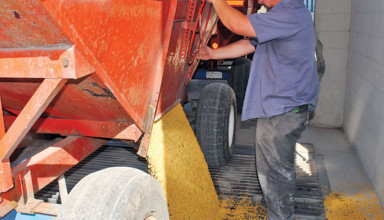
(240, 74)
(216, 123)
(116, 193)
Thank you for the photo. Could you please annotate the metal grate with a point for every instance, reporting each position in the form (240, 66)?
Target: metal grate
(239, 180)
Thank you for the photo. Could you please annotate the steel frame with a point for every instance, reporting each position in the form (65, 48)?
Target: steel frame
(66, 127)
(56, 64)
(41, 169)
(151, 113)
(18, 184)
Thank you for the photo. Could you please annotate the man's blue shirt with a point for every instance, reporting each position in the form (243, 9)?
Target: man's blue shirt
(283, 73)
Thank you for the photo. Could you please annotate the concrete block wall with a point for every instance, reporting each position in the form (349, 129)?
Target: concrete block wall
(364, 101)
(332, 19)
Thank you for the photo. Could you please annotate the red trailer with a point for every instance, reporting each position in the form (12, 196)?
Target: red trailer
(89, 71)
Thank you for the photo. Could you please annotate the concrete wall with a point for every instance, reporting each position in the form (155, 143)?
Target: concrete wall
(332, 26)
(364, 103)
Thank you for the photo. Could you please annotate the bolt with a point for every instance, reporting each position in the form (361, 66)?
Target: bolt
(65, 62)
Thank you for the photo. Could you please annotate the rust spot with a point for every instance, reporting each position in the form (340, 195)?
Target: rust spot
(107, 93)
(16, 14)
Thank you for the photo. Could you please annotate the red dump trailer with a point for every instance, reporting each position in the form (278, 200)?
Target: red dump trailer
(89, 71)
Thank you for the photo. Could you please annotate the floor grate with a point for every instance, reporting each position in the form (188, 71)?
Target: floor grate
(239, 180)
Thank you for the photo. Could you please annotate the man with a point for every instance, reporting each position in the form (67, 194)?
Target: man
(282, 88)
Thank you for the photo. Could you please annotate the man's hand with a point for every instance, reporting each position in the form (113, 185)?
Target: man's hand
(205, 52)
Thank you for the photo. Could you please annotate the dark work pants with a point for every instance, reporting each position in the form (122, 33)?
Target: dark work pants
(275, 154)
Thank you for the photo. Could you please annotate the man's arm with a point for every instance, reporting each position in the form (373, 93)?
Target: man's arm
(234, 50)
(232, 19)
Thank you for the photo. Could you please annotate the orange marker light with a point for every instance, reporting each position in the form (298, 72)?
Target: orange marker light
(215, 45)
(235, 2)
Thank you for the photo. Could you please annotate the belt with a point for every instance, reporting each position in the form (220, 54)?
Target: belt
(302, 108)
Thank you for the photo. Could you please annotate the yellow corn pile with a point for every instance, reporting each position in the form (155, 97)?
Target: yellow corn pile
(364, 205)
(176, 160)
(234, 209)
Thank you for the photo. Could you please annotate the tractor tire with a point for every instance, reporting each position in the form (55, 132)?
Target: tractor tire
(216, 123)
(116, 193)
(240, 74)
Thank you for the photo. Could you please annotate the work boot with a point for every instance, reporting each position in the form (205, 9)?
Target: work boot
(258, 199)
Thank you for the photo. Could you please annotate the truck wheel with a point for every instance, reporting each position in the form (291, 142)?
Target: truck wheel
(240, 74)
(116, 193)
(216, 123)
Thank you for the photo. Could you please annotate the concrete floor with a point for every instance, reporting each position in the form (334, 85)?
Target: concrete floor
(345, 172)
(343, 168)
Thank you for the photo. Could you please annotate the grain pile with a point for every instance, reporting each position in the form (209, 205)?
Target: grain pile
(363, 205)
(235, 209)
(175, 159)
